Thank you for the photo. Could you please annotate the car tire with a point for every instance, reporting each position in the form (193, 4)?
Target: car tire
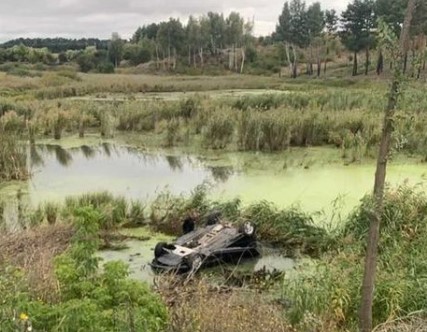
(247, 229)
(188, 225)
(213, 217)
(159, 250)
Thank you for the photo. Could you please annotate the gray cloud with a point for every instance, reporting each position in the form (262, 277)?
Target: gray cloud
(98, 18)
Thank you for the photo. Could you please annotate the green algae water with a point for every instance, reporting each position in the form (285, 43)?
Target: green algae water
(314, 179)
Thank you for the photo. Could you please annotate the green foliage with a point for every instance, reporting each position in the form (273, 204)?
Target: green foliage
(89, 300)
(13, 158)
(51, 210)
(113, 211)
(219, 131)
(358, 22)
(331, 290)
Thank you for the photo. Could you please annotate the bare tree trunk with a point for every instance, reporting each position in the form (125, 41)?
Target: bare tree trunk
(355, 64)
(295, 63)
(235, 58)
(380, 63)
(380, 175)
(367, 62)
(288, 58)
(201, 57)
(310, 68)
(243, 60)
(189, 55)
(405, 62)
(157, 57)
(169, 57)
(230, 60)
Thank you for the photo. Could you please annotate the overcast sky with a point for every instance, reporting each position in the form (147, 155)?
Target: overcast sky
(99, 18)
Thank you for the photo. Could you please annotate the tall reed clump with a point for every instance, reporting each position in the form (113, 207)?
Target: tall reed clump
(219, 130)
(113, 210)
(13, 158)
(290, 229)
(331, 291)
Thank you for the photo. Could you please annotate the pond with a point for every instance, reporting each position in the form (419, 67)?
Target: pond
(289, 178)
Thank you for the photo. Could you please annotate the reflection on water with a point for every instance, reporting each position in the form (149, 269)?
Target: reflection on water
(174, 162)
(221, 173)
(63, 156)
(36, 158)
(88, 152)
(59, 172)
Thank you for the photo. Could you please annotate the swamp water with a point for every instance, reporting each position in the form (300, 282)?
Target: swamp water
(284, 179)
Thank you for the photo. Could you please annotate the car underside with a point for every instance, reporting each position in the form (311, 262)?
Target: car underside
(206, 246)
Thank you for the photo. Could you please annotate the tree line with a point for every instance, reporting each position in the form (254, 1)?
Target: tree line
(310, 31)
(305, 36)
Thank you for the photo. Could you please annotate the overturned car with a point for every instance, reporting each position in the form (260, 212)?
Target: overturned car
(218, 241)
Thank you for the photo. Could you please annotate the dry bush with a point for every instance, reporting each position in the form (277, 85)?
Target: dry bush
(34, 251)
(412, 323)
(201, 307)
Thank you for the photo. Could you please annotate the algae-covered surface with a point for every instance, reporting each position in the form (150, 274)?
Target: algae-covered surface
(137, 254)
(316, 179)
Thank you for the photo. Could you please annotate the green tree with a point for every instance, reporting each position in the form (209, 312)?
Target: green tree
(358, 24)
(171, 38)
(315, 20)
(115, 49)
(193, 39)
(217, 28)
(234, 36)
(293, 31)
(331, 25)
(331, 21)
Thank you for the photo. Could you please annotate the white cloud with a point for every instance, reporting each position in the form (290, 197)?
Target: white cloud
(98, 18)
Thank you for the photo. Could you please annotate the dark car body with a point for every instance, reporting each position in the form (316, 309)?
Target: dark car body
(206, 246)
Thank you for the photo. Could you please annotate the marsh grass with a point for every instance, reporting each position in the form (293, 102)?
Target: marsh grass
(13, 158)
(198, 306)
(331, 291)
(349, 119)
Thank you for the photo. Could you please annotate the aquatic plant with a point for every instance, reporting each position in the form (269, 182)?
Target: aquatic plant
(219, 130)
(51, 210)
(13, 158)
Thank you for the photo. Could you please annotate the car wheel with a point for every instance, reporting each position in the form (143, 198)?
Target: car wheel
(247, 229)
(159, 250)
(213, 218)
(188, 225)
